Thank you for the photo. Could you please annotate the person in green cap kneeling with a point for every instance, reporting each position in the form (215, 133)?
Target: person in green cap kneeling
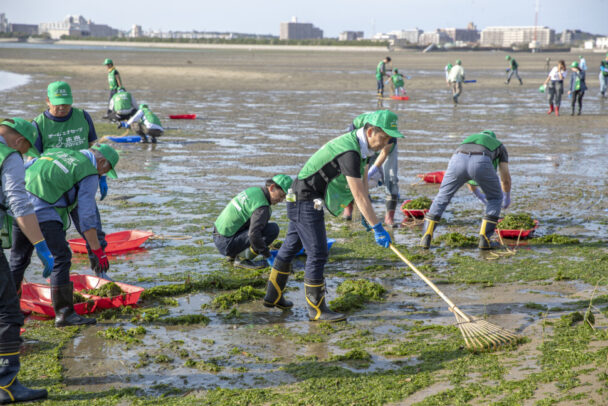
(16, 137)
(333, 177)
(58, 182)
(145, 123)
(114, 81)
(242, 231)
(122, 105)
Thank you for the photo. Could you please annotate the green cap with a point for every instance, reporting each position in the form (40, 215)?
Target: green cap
(111, 155)
(23, 127)
(490, 133)
(386, 120)
(396, 70)
(283, 181)
(508, 57)
(143, 106)
(574, 64)
(108, 61)
(458, 62)
(449, 66)
(59, 93)
(580, 57)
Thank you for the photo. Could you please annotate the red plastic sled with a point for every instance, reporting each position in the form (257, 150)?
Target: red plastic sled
(517, 233)
(37, 298)
(400, 97)
(413, 213)
(129, 298)
(121, 241)
(182, 116)
(432, 177)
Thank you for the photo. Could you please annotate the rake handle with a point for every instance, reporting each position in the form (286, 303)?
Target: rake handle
(453, 307)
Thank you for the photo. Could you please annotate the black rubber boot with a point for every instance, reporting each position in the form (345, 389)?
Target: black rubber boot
(391, 205)
(63, 304)
(488, 225)
(279, 274)
(315, 299)
(11, 390)
(430, 222)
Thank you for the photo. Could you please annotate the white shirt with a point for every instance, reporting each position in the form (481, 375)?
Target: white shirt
(583, 64)
(554, 74)
(139, 115)
(362, 143)
(456, 74)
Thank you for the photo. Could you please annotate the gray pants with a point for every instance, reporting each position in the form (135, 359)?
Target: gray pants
(603, 83)
(555, 91)
(144, 132)
(511, 73)
(390, 167)
(456, 90)
(461, 169)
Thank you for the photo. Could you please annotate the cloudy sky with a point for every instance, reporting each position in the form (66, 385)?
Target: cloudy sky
(332, 16)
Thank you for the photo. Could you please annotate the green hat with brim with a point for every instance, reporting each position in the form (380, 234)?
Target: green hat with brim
(458, 62)
(490, 133)
(574, 64)
(108, 61)
(386, 120)
(508, 57)
(111, 155)
(23, 127)
(143, 106)
(59, 93)
(283, 181)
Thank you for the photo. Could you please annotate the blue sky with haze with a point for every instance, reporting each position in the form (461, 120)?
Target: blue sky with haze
(332, 16)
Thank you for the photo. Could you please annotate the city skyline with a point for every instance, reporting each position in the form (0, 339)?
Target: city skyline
(265, 16)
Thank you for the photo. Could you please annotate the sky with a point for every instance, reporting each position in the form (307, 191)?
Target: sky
(332, 16)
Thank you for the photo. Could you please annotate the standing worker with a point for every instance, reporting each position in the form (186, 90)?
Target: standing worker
(577, 87)
(513, 70)
(604, 76)
(381, 73)
(555, 86)
(332, 177)
(582, 63)
(447, 70)
(17, 136)
(122, 105)
(145, 123)
(242, 231)
(58, 182)
(114, 82)
(477, 158)
(455, 80)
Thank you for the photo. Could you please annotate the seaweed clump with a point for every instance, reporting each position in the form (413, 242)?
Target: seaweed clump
(110, 289)
(519, 221)
(420, 203)
(556, 239)
(354, 294)
(242, 295)
(455, 240)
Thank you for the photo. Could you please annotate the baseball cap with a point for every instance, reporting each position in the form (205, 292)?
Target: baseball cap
(108, 61)
(386, 120)
(574, 64)
(508, 57)
(111, 155)
(23, 127)
(490, 133)
(283, 181)
(59, 93)
(143, 106)
(458, 62)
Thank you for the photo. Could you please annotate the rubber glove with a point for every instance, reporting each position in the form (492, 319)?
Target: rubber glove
(480, 195)
(43, 252)
(506, 199)
(382, 237)
(365, 224)
(101, 264)
(123, 124)
(375, 174)
(103, 187)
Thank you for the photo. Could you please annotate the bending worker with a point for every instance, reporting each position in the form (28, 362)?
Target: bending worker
(477, 158)
(242, 231)
(16, 138)
(332, 177)
(58, 182)
(145, 123)
(122, 105)
(513, 70)
(114, 82)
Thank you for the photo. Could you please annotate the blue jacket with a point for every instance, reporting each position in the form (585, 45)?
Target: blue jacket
(581, 75)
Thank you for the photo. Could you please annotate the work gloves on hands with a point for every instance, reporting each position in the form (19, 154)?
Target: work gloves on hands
(123, 124)
(506, 200)
(43, 252)
(102, 264)
(375, 174)
(382, 237)
(480, 195)
(103, 187)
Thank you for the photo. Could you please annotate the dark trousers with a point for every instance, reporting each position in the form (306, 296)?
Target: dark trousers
(577, 97)
(101, 236)
(555, 91)
(22, 250)
(115, 116)
(11, 318)
(231, 246)
(307, 229)
(380, 83)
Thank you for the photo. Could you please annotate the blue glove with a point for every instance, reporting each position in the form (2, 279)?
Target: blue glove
(365, 224)
(506, 200)
(124, 124)
(42, 250)
(103, 187)
(479, 194)
(382, 237)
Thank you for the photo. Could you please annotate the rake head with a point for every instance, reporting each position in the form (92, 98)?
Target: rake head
(481, 335)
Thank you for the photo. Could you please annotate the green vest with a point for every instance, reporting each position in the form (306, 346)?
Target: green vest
(487, 141)
(56, 172)
(71, 134)
(338, 194)
(605, 65)
(151, 117)
(7, 221)
(397, 80)
(239, 211)
(112, 79)
(379, 70)
(514, 64)
(122, 101)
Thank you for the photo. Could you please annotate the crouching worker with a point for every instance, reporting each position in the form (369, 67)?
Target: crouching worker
(122, 106)
(58, 182)
(477, 158)
(17, 136)
(145, 123)
(242, 231)
(332, 177)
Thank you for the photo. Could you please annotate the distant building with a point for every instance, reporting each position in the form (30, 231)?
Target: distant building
(136, 31)
(26, 29)
(296, 30)
(350, 35)
(433, 37)
(601, 43)
(407, 36)
(3, 23)
(469, 34)
(76, 26)
(508, 36)
(570, 36)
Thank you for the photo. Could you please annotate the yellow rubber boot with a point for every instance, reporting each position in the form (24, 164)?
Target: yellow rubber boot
(429, 228)
(317, 306)
(275, 288)
(488, 225)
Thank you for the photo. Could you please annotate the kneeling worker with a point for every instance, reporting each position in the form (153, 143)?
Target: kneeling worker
(58, 182)
(145, 123)
(477, 158)
(242, 231)
(122, 105)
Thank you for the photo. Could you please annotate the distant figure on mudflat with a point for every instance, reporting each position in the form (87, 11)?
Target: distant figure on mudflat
(513, 70)
(577, 87)
(456, 79)
(555, 86)
(114, 82)
(381, 73)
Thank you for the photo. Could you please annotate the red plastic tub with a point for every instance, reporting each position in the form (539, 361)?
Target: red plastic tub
(121, 241)
(37, 298)
(182, 116)
(400, 97)
(432, 177)
(413, 213)
(130, 297)
(517, 233)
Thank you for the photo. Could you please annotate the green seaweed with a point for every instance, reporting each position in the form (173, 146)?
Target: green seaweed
(516, 221)
(187, 319)
(457, 240)
(131, 335)
(555, 239)
(420, 203)
(354, 294)
(242, 295)
(109, 289)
